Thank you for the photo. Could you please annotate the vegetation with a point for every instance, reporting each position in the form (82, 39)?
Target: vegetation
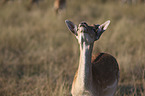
(39, 56)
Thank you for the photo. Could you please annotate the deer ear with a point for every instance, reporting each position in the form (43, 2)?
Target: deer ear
(105, 25)
(72, 27)
(102, 28)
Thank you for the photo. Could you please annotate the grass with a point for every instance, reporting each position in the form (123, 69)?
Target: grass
(39, 56)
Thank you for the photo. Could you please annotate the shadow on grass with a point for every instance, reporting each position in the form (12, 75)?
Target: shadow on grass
(130, 90)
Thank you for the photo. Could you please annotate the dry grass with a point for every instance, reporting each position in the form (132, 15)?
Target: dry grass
(39, 56)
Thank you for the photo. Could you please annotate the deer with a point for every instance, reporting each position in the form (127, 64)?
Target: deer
(98, 76)
(59, 5)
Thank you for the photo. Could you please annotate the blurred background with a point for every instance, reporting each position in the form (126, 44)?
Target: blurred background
(39, 56)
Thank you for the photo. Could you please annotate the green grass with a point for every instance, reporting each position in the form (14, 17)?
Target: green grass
(39, 56)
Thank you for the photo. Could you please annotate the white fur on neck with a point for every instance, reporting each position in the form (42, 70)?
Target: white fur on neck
(85, 67)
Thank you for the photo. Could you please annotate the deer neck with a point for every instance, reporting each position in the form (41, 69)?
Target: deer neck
(85, 67)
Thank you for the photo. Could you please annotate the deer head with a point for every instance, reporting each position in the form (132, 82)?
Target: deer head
(86, 33)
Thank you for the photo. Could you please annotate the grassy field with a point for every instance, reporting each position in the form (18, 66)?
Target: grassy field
(39, 56)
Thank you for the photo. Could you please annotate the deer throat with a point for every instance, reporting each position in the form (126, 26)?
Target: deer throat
(85, 67)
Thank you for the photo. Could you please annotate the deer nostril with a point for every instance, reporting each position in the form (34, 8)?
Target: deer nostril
(81, 25)
(84, 24)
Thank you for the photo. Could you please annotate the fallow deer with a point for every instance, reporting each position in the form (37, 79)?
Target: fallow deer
(59, 5)
(98, 77)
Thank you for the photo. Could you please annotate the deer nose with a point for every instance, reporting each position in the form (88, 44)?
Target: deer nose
(82, 29)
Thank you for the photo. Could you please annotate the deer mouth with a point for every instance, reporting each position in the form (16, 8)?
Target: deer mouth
(83, 27)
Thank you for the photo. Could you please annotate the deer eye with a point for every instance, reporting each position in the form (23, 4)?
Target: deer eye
(94, 29)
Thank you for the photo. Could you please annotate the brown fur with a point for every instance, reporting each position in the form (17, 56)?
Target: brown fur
(96, 77)
(105, 70)
(59, 5)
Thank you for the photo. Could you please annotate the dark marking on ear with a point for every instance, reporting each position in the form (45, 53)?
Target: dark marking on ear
(72, 27)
